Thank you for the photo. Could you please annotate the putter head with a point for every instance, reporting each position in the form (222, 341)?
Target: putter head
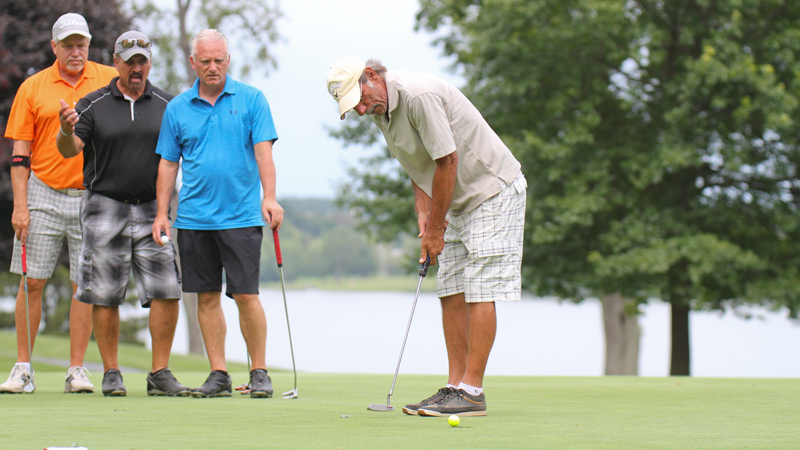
(290, 394)
(377, 407)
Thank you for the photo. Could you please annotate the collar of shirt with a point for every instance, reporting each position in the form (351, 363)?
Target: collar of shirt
(392, 95)
(230, 88)
(54, 76)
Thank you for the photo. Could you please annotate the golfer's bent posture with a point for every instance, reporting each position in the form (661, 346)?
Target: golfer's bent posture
(469, 195)
(223, 131)
(116, 129)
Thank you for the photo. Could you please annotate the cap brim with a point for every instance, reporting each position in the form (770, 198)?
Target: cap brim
(349, 100)
(69, 33)
(131, 52)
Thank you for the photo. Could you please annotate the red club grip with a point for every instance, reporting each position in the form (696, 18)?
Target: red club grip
(25, 261)
(277, 246)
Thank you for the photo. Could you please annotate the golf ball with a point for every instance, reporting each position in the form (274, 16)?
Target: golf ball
(453, 420)
(164, 239)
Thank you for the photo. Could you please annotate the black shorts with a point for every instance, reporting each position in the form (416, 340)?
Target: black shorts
(204, 253)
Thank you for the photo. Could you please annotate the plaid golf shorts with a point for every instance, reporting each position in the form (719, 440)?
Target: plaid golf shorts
(54, 216)
(482, 253)
(117, 239)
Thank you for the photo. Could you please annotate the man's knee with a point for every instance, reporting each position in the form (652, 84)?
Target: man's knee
(34, 284)
(246, 298)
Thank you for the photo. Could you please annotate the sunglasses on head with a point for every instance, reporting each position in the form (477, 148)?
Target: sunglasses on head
(129, 43)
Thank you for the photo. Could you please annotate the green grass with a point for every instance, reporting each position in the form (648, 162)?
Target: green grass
(377, 283)
(524, 412)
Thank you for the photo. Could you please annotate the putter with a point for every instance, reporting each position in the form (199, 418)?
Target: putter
(27, 317)
(423, 270)
(293, 392)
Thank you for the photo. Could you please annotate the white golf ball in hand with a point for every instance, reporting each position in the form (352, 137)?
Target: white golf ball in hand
(164, 239)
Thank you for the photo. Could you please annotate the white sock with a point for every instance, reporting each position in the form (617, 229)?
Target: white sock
(471, 390)
(26, 366)
(451, 386)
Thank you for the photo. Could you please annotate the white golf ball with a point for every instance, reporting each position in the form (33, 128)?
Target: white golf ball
(164, 239)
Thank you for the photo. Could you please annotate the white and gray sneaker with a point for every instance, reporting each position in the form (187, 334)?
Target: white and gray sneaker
(77, 380)
(21, 380)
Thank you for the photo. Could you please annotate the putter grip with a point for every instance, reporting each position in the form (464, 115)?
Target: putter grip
(277, 247)
(24, 261)
(423, 268)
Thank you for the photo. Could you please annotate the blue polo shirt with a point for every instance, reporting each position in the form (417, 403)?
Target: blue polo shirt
(221, 186)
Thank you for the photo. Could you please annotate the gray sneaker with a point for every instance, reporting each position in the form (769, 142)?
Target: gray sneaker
(260, 384)
(218, 384)
(456, 402)
(163, 382)
(440, 394)
(112, 384)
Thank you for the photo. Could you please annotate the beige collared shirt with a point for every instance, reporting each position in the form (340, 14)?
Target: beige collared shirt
(429, 119)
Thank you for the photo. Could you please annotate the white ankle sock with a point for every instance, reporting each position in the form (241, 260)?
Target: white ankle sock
(451, 386)
(471, 390)
(26, 366)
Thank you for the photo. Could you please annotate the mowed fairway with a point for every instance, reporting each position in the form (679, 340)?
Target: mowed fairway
(524, 412)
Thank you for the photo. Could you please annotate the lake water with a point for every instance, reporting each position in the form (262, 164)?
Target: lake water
(362, 332)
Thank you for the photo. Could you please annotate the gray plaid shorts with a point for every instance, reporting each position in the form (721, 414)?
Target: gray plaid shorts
(54, 216)
(117, 238)
(482, 253)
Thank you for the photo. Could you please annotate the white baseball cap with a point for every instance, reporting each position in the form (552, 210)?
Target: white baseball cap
(69, 24)
(343, 83)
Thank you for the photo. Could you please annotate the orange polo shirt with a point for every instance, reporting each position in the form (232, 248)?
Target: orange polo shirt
(34, 117)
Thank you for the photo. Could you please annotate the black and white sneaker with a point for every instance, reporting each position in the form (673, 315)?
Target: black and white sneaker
(218, 384)
(163, 382)
(112, 384)
(260, 384)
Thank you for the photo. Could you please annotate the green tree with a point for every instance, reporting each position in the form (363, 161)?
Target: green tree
(659, 140)
(317, 239)
(379, 191)
(249, 25)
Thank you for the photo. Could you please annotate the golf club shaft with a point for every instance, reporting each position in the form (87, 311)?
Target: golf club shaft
(27, 308)
(423, 270)
(285, 307)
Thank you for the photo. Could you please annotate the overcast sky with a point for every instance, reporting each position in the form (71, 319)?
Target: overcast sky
(315, 34)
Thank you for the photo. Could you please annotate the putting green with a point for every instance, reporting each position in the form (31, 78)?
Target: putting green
(524, 412)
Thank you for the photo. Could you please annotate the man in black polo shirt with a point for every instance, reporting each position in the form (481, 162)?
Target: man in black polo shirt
(117, 129)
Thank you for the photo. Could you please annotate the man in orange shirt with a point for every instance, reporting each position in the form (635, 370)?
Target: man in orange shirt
(47, 194)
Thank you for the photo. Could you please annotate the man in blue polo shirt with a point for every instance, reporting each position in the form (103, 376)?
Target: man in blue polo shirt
(224, 132)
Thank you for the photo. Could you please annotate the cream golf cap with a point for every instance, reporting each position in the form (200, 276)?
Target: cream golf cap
(69, 24)
(343, 83)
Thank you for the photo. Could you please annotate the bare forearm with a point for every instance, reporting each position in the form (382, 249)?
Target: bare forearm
(68, 145)
(20, 174)
(444, 182)
(422, 203)
(167, 173)
(266, 171)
